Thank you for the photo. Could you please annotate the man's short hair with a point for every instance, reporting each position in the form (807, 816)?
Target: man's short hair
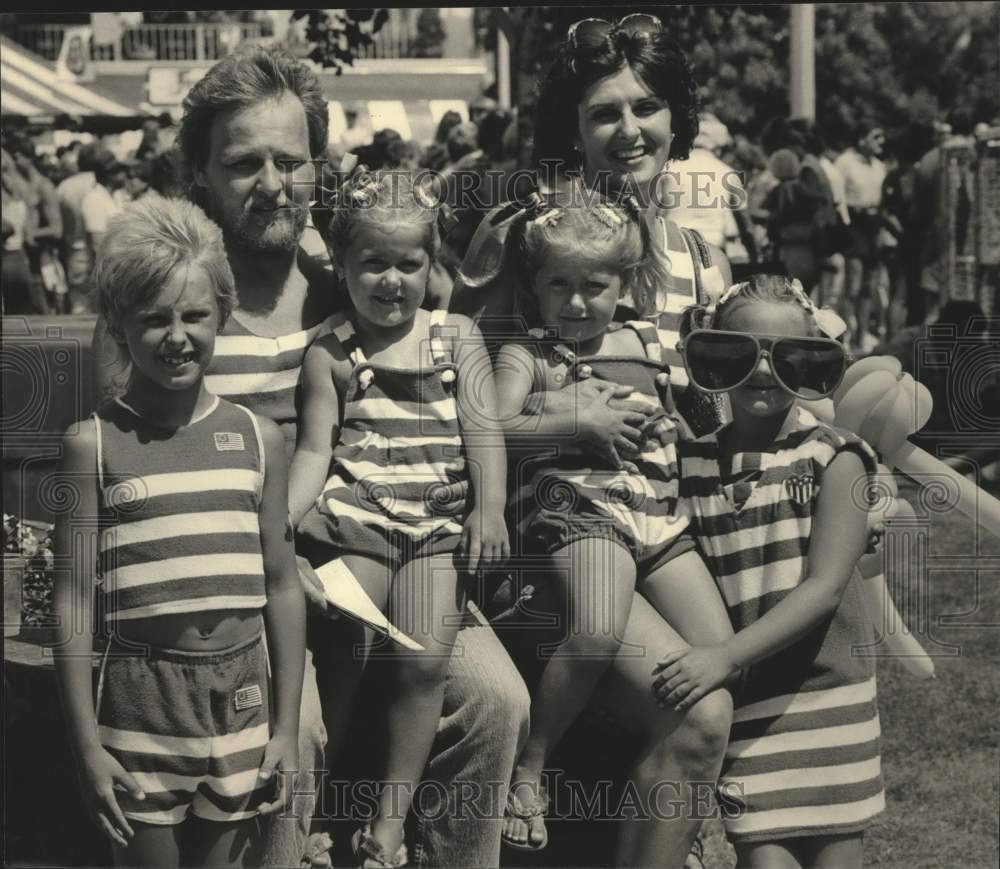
(244, 79)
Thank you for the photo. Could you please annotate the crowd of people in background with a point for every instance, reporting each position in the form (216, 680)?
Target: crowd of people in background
(56, 207)
(858, 225)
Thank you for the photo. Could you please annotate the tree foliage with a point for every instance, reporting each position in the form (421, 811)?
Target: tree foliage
(333, 37)
(885, 63)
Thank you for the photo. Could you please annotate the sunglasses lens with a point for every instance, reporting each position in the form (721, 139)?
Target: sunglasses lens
(808, 367)
(589, 33)
(717, 361)
(640, 23)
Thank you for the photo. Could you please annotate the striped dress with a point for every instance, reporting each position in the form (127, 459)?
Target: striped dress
(803, 757)
(561, 499)
(398, 483)
(180, 529)
(262, 373)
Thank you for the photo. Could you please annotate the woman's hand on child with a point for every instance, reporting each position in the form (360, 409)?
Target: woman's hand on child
(100, 776)
(281, 758)
(611, 431)
(685, 676)
(484, 540)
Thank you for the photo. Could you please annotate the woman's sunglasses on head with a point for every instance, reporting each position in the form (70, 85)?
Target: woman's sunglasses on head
(718, 361)
(592, 32)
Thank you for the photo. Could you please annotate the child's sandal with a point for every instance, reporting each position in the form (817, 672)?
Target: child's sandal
(526, 812)
(371, 854)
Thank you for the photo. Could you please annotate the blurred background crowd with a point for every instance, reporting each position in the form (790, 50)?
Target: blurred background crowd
(859, 223)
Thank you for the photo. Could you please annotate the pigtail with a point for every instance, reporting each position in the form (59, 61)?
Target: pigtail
(694, 317)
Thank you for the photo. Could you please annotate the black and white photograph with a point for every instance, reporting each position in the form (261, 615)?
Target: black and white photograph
(501, 436)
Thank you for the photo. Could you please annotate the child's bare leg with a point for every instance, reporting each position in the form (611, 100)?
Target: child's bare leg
(681, 752)
(426, 603)
(152, 845)
(599, 593)
(345, 644)
(769, 855)
(219, 844)
(833, 852)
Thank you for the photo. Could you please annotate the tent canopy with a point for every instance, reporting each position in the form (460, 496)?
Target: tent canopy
(31, 89)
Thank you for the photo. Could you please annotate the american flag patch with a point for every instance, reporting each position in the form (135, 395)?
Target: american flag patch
(248, 698)
(801, 488)
(226, 441)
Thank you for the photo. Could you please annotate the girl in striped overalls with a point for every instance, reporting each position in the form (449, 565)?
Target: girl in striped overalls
(601, 523)
(777, 504)
(386, 474)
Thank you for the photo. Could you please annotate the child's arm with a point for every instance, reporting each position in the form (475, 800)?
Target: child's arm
(568, 416)
(318, 429)
(484, 537)
(75, 536)
(838, 540)
(284, 616)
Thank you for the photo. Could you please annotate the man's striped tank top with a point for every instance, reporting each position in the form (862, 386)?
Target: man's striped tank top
(180, 529)
(262, 373)
(803, 756)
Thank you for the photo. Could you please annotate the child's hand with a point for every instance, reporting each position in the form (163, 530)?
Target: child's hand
(687, 675)
(100, 776)
(312, 587)
(280, 763)
(484, 540)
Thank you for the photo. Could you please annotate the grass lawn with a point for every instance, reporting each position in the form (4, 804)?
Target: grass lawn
(940, 752)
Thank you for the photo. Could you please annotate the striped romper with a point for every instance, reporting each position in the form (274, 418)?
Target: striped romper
(559, 500)
(180, 533)
(803, 756)
(398, 485)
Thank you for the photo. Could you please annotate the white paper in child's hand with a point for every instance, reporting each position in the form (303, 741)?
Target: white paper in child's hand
(343, 591)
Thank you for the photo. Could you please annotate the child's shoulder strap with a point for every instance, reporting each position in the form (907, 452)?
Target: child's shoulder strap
(650, 338)
(344, 332)
(443, 337)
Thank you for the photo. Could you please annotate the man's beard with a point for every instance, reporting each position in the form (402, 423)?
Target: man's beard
(243, 230)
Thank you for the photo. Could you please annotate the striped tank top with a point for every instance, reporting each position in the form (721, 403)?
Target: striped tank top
(262, 373)
(179, 513)
(803, 756)
(398, 465)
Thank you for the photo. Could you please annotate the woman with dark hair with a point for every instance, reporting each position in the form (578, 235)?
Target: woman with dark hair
(618, 103)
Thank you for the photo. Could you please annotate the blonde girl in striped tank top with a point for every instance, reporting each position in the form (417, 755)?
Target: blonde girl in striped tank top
(197, 710)
(776, 500)
(399, 470)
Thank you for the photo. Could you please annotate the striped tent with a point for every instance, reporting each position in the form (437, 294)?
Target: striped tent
(30, 87)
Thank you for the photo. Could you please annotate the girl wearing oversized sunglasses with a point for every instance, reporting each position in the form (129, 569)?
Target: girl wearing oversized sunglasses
(777, 506)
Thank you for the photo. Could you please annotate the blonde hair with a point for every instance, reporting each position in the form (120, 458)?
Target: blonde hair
(384, 200)
(143, 247)
(610, 236)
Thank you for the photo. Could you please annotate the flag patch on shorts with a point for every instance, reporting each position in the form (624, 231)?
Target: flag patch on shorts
(248, 698)
(226, 441)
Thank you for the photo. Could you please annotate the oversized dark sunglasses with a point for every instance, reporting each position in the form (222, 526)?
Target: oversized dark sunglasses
(591, 32)
(718, 361)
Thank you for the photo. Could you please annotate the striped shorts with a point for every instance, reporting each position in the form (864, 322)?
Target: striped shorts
(191, 729)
